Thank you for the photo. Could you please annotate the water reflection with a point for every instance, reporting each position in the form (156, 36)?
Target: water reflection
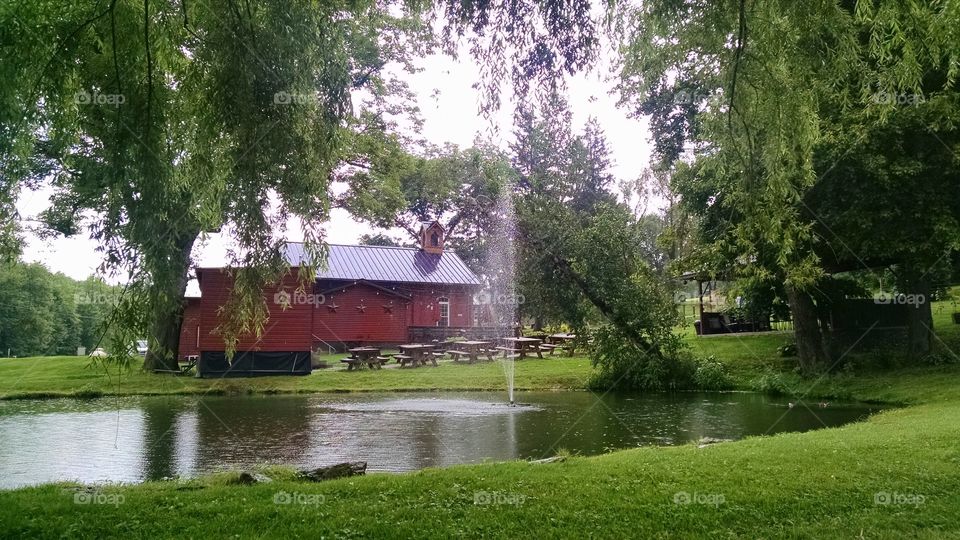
(134, 439)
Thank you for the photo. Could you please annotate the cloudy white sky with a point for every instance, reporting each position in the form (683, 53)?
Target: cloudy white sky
(450, 107)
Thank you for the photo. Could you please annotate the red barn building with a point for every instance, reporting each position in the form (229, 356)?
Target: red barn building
(367, 295)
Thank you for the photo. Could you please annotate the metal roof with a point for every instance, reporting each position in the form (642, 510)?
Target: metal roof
(384, 263)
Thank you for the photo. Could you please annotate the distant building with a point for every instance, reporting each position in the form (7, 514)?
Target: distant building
(372, 295)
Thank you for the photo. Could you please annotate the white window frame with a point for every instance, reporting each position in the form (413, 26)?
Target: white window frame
(443, 304)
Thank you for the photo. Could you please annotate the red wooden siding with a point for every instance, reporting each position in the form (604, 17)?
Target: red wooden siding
(287, 330)
(189, 329)
(375, 324)
(426, 306)
(305, 323)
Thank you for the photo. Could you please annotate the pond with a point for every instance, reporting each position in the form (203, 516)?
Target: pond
(134, 439)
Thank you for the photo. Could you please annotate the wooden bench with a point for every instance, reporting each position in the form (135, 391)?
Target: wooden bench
(457, 356)
(402, 359)
(373, 363)
(549, 348)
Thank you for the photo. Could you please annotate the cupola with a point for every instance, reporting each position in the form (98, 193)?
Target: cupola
(432, 237)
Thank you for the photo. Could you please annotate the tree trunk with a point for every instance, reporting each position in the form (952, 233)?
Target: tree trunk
(167, 309)
(919, 320)
(811, 347)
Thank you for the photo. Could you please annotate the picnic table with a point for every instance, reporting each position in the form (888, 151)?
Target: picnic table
(416, 354)
(567, 341)
(471, 349)
(184, 365)
(189, 362)
(361, 357)
(520, 346)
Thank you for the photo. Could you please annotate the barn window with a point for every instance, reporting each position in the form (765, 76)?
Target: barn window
(434, 239)
(444, 304)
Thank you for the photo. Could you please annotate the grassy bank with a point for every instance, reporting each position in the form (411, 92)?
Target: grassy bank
(74, 377)
(752, 362)
(895, 475)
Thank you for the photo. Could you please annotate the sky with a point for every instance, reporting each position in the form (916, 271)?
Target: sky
(450, 108)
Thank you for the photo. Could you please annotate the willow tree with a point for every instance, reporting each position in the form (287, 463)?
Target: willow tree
(752, 91)
(157, 120)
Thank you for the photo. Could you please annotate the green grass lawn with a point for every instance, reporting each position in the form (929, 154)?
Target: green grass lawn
(895, 475)
(750, 360)
(74, 376)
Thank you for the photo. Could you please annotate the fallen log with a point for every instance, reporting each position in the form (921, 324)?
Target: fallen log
(340, 470)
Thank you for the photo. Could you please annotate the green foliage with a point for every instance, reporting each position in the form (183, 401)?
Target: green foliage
(809, 137)
(456, 187)
(378, 239)
(528, 43)
(581, 253)
(777, 383)
(155, 121)
(42, 313)
(622, 365)
(711, 374)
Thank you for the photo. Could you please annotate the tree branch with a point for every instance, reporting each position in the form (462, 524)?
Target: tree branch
(399, 222)
(146, 44)
(737, 56)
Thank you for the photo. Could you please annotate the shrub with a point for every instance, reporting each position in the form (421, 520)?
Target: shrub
(774, 383)
(788, 350)
(711, 374)
(622, 365)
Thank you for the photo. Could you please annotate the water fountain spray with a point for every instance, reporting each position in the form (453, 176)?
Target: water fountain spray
(500, 270)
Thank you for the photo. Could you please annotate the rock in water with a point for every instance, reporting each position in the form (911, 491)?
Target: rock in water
(245, 478)
(707, 441)
(340, 470)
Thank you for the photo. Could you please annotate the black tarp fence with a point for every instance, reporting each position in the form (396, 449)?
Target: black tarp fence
(254, 364)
